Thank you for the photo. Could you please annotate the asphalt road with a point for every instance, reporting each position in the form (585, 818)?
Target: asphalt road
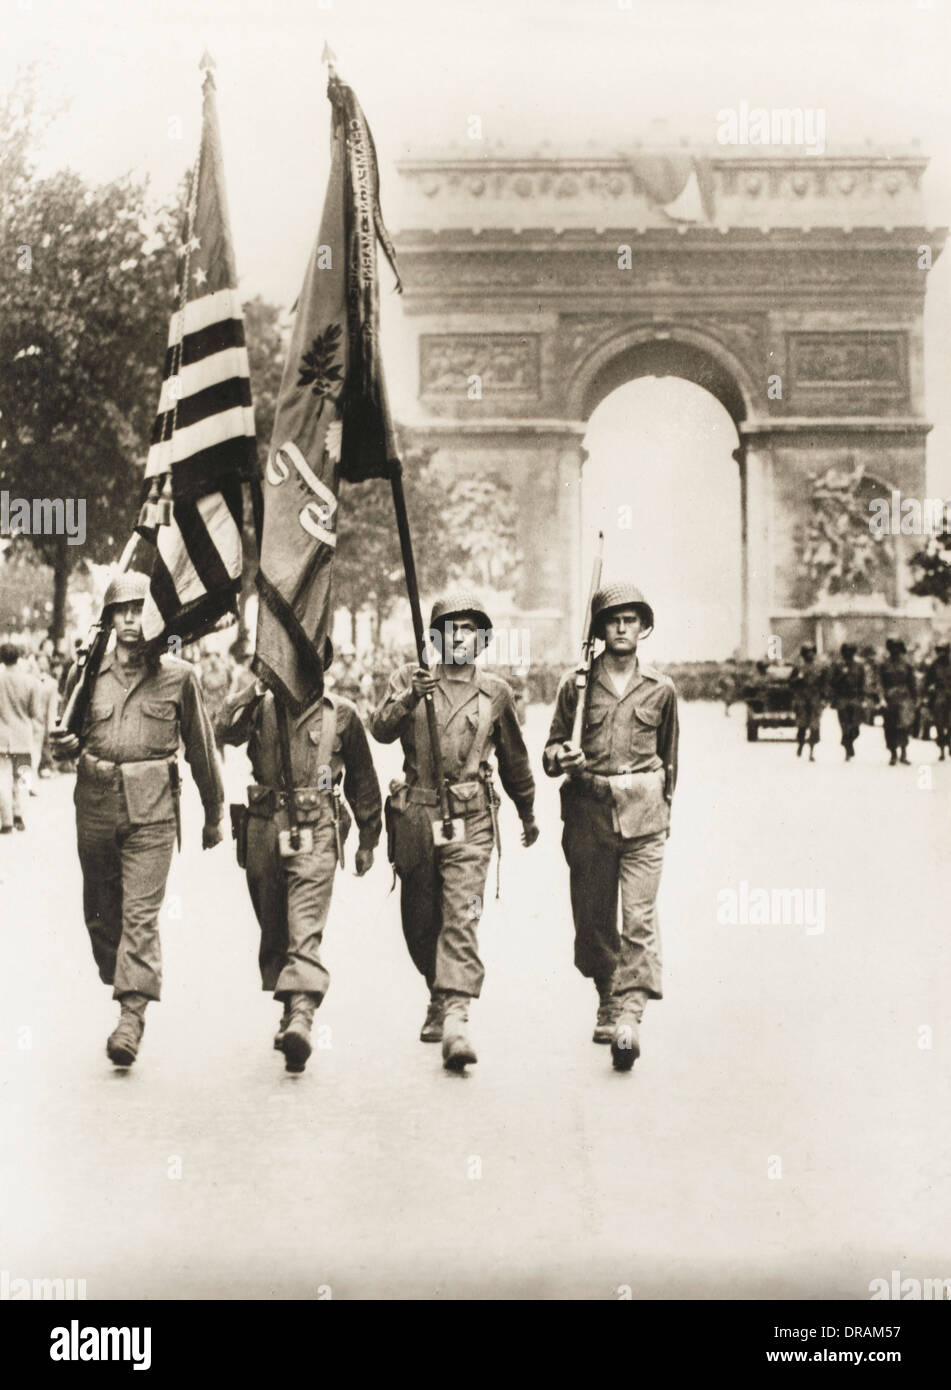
(786, 1132)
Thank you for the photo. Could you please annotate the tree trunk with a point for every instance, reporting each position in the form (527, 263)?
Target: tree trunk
(353, 627)
(60, 588)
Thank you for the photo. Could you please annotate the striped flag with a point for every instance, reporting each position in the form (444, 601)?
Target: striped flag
(331, 421)
(203, 442)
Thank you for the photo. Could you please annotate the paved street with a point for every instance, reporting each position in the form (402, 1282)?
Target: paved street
(785, 1133)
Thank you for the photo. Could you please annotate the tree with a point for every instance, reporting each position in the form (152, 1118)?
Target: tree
(85, 294)
(463, 531)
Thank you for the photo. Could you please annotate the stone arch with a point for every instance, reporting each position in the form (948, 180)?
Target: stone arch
(683, 350)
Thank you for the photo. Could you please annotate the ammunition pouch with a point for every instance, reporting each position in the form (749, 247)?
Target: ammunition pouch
(313, 804)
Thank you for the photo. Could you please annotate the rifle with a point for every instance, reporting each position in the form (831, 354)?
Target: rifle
(88, 661)
(587, 645)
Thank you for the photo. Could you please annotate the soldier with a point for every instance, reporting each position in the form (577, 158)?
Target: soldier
(442, 885)
(807, 685)
(615, 804)
(291, 888)
(938, 696)
(847, 688)
(127, 804)
(900, 691)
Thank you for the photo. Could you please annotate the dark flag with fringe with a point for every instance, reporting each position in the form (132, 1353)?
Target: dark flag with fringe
(203, 443)
(332, 420)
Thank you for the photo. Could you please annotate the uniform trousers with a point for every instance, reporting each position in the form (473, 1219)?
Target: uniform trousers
(441, 897)
(125, 870)
(291, 898)
(603, 866)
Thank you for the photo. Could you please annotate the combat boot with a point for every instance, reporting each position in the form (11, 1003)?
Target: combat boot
(625, 1042)
(607, 1013)
(122, 1045)
(296, 1040)
(282, 1028)
(457, 1050)
(431, 1031)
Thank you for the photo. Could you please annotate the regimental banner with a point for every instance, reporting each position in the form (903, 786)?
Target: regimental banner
(331, 422)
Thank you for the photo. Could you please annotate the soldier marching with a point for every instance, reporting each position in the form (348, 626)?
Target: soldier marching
(143, 707)
(847, 688)
(291, 852)
(807, 684)
(443, 884)
(615, 804)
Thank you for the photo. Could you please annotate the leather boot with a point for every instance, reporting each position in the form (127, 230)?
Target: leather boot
(625, 1043)
(282, 1028)
(607, 1013)
(122, 1045)
(457, 1050)
(296, 1041)
(431, 1031)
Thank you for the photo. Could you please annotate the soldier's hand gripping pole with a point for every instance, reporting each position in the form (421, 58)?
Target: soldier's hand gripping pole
(412, 589)
(583, 671)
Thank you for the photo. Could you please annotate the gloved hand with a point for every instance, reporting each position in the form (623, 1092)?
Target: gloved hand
(363, 861)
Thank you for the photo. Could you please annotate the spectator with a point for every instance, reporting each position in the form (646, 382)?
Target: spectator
(19, 709)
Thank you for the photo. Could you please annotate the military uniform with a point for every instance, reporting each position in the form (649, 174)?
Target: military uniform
(291, 893)
(808, 687)
(900, 692)
(847, 687)
(126, 800)
(442, 886)
(616, 815)
(938, 695)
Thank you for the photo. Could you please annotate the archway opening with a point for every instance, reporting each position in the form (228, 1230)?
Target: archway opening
(661, 481)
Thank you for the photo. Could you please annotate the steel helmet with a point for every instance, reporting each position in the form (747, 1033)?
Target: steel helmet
(621, 595)
(129, 587)
(458, 605)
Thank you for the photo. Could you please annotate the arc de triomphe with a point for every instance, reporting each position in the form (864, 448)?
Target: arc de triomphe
(793, 290)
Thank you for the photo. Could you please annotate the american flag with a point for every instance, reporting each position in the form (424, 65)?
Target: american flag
(203, 442)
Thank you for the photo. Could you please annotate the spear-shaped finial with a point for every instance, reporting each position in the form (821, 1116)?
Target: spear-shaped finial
(330, 58)
(207, 66)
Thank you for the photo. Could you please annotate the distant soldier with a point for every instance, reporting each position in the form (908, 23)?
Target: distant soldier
(807, 684)
(443, 885)
(127, 804)
(938, 696)
(873, 687)
(900, 692)
(847, 689)
(615, 804)
(291, 888)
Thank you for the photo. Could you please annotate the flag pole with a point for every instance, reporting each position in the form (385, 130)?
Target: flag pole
(395, 468)
(412, 589)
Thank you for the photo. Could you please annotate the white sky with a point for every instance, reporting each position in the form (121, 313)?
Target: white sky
(567, 73)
